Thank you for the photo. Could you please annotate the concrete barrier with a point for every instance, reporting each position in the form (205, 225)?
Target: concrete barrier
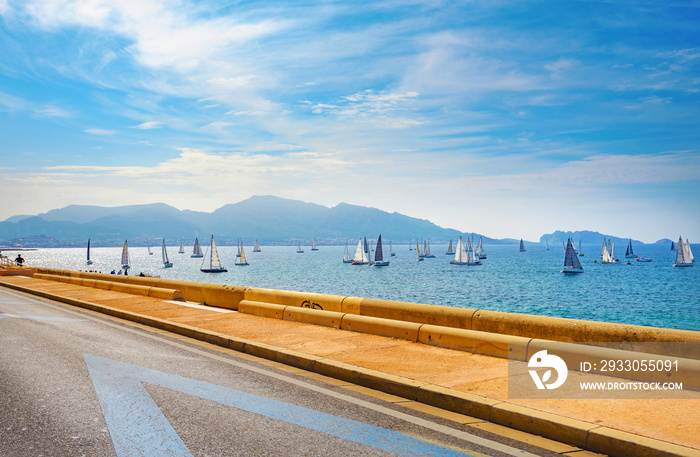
(445, 316)
(492, 344)
(379, 326)
(261, 309)
(135, 289)
(313, 316)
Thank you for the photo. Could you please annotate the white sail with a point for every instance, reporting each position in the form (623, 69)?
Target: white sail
(360, 255)
(125, 257)
(256, 248)
(461, 255)
(603, 248)
(346, 257)
(683, 254)
(313, 245)
(214, 263)
(607, 258)
(182, 249)
(688, 254)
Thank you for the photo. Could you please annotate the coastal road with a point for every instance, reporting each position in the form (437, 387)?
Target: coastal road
(78, 383)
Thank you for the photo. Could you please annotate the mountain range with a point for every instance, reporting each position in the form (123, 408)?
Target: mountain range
(268, 219)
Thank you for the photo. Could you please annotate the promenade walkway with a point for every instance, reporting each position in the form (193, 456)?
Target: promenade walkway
(473, 386)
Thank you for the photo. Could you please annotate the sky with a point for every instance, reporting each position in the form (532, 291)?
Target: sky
(505, 118)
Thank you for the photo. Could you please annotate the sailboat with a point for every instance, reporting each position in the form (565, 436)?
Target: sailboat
(571, 262)
(242, 260)
(461, 256)
(480, 250)
(522, 246)
(148, 245)
(580, 251)
(391, 250)
(379, 254)
(299, 249)
(426, 250)
(346, 257)
(450, 251)
(629, 253)
(473, 258)
(673, 246)
(182, 249)
(360, 255)
(256, 248)
(313, 245)
(683, 254)
(420, 256)
(166, 262)
(89, 262)
(197, 251)
(690, 253)
(214, 262)
(608, 257)
(125, 257)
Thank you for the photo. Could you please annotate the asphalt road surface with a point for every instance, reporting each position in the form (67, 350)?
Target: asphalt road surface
(76, 383)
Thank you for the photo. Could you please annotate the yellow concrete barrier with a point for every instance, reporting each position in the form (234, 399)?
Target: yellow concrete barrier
(130, 288)
(165, 294)
(261, 309)
(416, 312)
(324, 302)
(313, 316)
(492, 344)
(227, 297)
(379, 326)
(136, 289)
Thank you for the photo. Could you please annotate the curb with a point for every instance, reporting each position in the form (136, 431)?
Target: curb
(582, 434)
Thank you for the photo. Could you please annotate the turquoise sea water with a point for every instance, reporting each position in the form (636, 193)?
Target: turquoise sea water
(654, 294)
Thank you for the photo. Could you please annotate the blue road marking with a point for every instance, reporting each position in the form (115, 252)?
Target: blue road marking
(138, 427)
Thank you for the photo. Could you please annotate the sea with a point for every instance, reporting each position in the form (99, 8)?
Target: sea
(643, 293)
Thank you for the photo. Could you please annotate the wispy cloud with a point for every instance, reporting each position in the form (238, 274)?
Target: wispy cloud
(149, 125)
(100, 132)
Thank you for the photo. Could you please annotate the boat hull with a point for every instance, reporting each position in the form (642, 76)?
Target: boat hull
(197, 256)
(572, 270)
(454, 262)
(213, 270)
(381, 264)
(682, 264)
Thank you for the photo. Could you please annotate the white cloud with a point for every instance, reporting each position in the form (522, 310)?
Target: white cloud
(101, 132)
(149, 125)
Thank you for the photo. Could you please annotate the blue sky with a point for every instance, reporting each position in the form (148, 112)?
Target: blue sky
(507, 118)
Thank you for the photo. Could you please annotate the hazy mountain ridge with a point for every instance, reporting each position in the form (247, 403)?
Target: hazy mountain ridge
(271, 220)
